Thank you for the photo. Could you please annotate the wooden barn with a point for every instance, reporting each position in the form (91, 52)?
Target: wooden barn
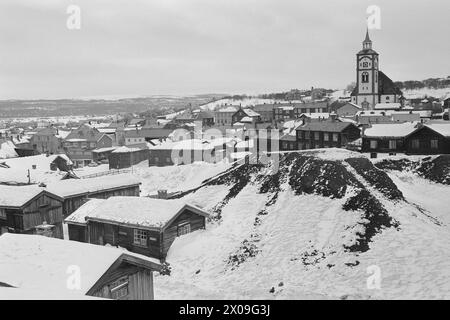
(125, 157)
(30, 210)
(75, 192)
(429, 139)
(142, 225)
(326, 134)
(69, 270)
(387, 138)
(409, 138)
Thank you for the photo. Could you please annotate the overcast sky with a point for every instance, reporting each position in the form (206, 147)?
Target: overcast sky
(152, 47)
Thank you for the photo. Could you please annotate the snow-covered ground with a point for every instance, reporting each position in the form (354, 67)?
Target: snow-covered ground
(298, 247)
(170, 178)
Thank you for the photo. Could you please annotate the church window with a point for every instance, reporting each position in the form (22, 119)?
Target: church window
(365, 77)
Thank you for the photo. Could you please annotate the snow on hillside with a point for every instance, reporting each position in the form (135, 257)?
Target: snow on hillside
(426, 92)
(246, 102)
(312, 230)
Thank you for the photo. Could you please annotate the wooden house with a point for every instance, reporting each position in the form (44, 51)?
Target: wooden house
(125, 157)
(386, 138)
(188, 151)
(266, 111)
(224, 116)
(74, 192)
(61, 269)
(429, 139)
(348, 110)
(23, 209)
(245, 115)
(410, 138)
(80, 143)
(142, 225)
(326, 134)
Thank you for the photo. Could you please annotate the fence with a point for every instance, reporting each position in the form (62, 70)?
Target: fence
(106, 173)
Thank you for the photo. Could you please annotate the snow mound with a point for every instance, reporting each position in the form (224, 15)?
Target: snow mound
(312, 228)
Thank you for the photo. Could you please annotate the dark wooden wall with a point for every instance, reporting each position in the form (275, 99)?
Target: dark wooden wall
(170, 233)
(140, 283)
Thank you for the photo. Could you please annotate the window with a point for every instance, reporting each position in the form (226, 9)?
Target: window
(373, 144)
(316, 136)
(183, 229)
(140, 237)
(326, 137)
(365, 77)
(2, 214)
(415, 144)
(392, 144)
(434, 145)
(335, 137)
(119, 288)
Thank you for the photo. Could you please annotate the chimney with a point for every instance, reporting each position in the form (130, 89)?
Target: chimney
(333, 116)
(162, 194)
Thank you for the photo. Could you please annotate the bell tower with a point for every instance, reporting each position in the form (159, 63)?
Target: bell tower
(367, 75)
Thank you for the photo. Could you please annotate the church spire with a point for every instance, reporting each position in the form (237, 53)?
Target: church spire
(367, 43)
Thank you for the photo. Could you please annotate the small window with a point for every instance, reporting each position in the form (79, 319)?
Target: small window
(415, 144)
(392, 144)
(2, 214)
(335, 137)
(326, 137)
(183, 229)
(434, 145)
(119, 288)
(373, 144)
(316, 135)
(140, 237)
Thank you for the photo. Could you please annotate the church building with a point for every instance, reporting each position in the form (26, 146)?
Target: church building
(372, 85)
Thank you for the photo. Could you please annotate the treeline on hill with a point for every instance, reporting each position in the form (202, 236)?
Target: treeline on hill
(434, 83)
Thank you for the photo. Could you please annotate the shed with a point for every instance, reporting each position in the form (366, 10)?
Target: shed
(73, 270)
(24, 208)
(142, 225)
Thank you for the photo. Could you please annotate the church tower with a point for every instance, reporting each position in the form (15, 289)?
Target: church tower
(366, 92)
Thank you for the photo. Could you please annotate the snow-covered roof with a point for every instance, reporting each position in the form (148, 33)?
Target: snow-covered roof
(441, 128)
(137, 211)
(62, 134)
(391, 130)
(79, 215)
(17, 196)
(18, 169)
(316, 115)
(246, 119)
(74, 187)
(251, 113)
(125, 149)
(76, 140)
(7, 150)
(33, 262)
(228, 109)
(106, 149)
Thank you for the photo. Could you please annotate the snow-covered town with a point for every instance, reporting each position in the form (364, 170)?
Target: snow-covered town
(310, 193)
